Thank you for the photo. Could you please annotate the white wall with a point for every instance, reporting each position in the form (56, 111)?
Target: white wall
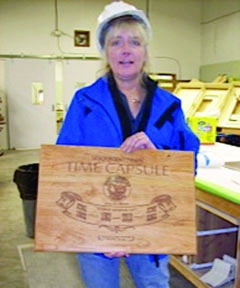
(220, 30)
(176, 32)
(26, 26)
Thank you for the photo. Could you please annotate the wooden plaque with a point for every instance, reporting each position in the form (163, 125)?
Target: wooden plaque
(93, 199)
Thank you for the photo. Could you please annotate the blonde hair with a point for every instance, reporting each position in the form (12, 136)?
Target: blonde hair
(114, 27)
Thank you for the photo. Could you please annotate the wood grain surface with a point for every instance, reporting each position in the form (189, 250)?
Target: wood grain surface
(93, 199)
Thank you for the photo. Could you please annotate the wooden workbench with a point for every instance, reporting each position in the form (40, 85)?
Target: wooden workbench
(222, 209)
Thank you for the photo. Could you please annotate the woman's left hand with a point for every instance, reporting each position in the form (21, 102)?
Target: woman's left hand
(137, 141)
(116, 254)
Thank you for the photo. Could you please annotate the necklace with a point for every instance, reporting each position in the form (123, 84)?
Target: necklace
(135, 100)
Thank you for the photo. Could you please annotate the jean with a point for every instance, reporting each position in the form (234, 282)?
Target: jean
(103, 272)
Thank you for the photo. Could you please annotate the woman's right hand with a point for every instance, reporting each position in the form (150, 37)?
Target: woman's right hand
(137, 141)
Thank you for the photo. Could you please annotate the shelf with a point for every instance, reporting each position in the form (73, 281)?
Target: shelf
(193, 275)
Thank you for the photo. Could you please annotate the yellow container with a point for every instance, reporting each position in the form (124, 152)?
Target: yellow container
(205, 128)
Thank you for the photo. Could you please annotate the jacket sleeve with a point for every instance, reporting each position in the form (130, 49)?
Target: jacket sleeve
(71, 132)
(184, 138)
(171, 131)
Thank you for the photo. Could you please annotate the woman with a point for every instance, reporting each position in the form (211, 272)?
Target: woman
(125, 109)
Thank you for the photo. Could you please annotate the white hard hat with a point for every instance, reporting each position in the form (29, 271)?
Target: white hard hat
(115, 10)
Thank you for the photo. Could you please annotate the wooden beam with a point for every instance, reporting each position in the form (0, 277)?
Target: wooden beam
(187, 272)
(219, 203)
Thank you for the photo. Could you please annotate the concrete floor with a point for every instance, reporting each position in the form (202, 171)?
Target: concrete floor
(12, 228)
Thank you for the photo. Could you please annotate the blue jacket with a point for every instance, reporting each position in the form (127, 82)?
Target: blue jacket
(92, 120)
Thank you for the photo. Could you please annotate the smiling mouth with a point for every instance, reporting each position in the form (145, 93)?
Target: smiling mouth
(126, 62)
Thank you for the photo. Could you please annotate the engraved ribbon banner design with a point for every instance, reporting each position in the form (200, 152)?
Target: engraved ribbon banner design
(117, 217)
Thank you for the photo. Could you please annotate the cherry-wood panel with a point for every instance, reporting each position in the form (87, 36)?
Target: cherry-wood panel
(93, 199)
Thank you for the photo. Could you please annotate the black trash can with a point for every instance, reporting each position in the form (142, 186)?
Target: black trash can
(26, 179)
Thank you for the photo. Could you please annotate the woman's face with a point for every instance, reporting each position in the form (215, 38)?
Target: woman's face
(126, 53)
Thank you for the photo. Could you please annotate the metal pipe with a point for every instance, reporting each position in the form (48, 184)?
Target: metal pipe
(217, 231)
(220, 17)
(147, 9)
(196, 266)
(51, 57)
(175, 60)
(56, 15)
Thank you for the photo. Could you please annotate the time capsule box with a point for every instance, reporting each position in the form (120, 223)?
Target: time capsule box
(94, 199)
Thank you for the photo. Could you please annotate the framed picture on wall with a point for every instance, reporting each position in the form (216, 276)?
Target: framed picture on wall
(81, 38)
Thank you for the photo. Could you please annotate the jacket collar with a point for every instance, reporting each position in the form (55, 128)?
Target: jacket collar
(161, 102)
(100, 94)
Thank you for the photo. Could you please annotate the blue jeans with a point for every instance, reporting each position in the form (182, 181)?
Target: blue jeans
(103, 272)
